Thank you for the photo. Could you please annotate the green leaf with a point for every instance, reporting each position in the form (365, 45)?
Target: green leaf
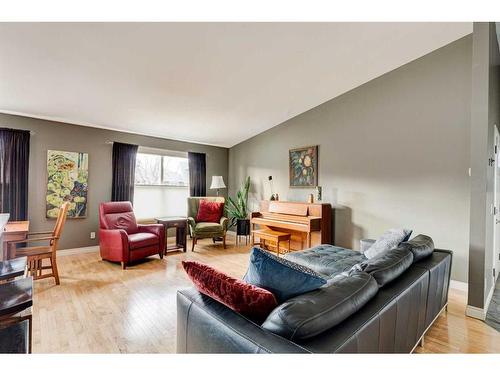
(237, 208)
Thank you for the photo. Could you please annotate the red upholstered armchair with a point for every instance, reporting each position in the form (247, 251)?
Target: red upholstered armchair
(121, 239)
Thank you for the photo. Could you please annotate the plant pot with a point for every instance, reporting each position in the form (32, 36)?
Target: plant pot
(243, 227)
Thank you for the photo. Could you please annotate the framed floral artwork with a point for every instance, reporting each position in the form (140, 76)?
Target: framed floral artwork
(67, 181)
(303, 166)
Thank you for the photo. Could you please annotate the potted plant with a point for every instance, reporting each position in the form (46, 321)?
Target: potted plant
(237, 210)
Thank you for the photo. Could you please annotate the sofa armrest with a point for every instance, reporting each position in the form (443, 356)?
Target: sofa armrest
(113, 244)
(365, 244)
(207, 326)
(224, 221)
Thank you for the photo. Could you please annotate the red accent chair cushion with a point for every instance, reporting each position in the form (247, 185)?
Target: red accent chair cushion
(118, 215)
(209, 212)
(249, 300)
(138, 240)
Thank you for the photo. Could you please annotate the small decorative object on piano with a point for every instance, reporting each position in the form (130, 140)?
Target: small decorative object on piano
(311, 198)
(319, 193)
(270, 179)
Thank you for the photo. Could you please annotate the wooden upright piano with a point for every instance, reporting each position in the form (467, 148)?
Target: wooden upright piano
(309, 224)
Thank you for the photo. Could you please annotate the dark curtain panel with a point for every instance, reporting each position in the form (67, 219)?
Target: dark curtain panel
(197, 174)
(124, 156)
(14, 161)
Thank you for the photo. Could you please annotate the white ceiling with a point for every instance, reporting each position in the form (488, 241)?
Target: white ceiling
(213, 83)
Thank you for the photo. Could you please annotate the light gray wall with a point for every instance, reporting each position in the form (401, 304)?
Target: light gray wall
(393, 152)
(61, 136)
(484, 115)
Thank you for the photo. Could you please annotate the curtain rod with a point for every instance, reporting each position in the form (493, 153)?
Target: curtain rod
(161, 149)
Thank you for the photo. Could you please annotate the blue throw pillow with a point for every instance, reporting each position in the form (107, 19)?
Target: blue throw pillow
(281, 277)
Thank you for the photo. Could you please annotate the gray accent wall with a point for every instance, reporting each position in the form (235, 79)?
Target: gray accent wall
(393, 152)
(485, 110)
(51, 135)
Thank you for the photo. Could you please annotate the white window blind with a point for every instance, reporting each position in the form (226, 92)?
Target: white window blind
(161, 185)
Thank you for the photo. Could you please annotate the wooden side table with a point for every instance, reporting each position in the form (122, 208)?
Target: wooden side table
(181, 229)
(13, 231)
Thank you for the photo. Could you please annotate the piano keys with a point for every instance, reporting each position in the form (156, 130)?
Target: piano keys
(309, 224)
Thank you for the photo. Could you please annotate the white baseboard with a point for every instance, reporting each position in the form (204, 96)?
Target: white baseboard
(459, 285)
(78, 250)
(478, 313)
(475, 312)
(488, 299)
(95, 249)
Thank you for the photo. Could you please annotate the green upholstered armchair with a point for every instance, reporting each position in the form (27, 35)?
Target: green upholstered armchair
(205, 230)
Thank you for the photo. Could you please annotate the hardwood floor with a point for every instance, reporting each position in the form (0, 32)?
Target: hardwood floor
(98, 308)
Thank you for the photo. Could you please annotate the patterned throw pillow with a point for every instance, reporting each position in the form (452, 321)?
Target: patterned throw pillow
(285, 279)
(209, 212)
(388, 241)
(248, 300)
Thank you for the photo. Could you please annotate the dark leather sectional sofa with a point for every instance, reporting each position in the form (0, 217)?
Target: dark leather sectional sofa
(383, 305)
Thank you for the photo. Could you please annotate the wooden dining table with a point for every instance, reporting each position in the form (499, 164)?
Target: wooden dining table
(13, 231)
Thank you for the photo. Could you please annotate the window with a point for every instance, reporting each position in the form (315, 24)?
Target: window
(153, 169)
(161, 184)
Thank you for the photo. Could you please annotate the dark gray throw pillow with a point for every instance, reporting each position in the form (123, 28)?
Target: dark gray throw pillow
(312, 313)
(388, 266)
(421, 246)
(389, 240)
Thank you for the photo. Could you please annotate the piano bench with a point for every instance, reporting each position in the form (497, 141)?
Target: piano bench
(272, 236)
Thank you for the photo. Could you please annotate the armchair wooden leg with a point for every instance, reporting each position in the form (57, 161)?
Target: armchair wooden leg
(124, 265)
(194, 243)
(224, 241)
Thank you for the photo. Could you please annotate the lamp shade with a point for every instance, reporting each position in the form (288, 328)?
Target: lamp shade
(217, 183)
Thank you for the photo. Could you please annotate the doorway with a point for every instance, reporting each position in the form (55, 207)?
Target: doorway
(496, 202)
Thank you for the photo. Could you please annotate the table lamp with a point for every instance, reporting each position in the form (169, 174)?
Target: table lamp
(217, 183)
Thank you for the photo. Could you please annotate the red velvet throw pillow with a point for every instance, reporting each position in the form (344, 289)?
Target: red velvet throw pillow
(249, 300)
(209, 212)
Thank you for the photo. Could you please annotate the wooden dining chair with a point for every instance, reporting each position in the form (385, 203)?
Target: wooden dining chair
(37, 254)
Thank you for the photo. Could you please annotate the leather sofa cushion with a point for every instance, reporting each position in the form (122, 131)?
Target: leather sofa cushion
(421, 246)
(208, 227)
(312, 313)
(388, 266)
(139, 240)
(326, 260)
